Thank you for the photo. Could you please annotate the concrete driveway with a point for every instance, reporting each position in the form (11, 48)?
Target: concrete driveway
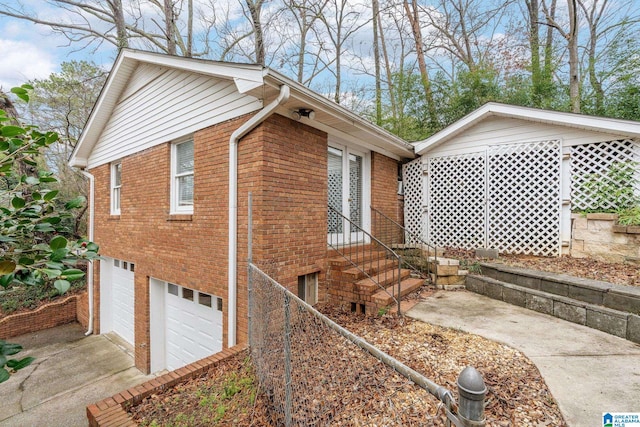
(70, 372)
(588, 371)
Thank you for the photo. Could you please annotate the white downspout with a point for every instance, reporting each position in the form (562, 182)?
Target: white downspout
(90, 236)
(244, 129)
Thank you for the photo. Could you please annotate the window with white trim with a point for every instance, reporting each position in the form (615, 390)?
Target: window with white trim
(308, 288)
(116, 186)
(182, 177)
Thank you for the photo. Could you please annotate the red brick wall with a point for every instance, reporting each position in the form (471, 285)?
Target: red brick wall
(190, 250)
(288, 179)
(82, 309)
(384, 192)
(282, 162)
(44, 317)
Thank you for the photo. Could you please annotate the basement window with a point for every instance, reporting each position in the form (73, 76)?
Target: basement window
(308, 288)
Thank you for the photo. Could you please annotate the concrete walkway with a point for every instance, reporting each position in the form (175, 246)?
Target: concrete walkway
(70, 372)
(588, 372)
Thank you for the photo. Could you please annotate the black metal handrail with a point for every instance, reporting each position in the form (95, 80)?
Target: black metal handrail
(391, 233)
(362, 254)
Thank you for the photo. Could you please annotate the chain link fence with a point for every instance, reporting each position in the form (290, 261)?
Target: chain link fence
(318, 373)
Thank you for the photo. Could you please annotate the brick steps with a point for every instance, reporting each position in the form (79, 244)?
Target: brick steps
(356, 273)
(385, 278)
(358, 258)
(366, 288)
(407, 286)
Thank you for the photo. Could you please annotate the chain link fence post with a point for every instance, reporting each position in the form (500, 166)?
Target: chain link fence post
(287, 361)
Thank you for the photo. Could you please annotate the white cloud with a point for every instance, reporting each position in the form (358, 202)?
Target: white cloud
(22, 61)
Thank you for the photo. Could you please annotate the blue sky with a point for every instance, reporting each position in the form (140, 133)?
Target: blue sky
(32, 51)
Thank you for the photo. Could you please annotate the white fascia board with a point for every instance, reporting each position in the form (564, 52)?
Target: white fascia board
(225, 70)
(245, 86)
(627, 128)
(394, 144)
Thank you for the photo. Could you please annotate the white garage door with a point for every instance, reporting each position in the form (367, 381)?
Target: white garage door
(193, 326)
(122, 299)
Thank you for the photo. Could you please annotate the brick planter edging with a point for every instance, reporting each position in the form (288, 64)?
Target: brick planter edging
(112, 411)
(44, 317)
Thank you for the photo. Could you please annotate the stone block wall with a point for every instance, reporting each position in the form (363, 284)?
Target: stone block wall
(597, 235)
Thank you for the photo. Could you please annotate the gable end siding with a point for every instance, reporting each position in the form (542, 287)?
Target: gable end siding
(160, 105)
(500, 130)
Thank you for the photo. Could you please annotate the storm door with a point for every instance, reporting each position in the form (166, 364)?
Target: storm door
(346, 182)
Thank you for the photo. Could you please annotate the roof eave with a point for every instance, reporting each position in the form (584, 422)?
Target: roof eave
(592, 123)
(393, 143)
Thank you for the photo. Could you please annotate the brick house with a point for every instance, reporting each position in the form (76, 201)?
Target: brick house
(172, 149)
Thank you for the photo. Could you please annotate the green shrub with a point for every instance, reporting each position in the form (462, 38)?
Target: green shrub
(630, 216)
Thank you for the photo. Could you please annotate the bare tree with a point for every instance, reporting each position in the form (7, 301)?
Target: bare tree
(375, 8)
(255, 7)
(414, 20)
(465, 28)
(606, 27)
(570, 34)
(305, 13)
(109, 21)
(342, 19)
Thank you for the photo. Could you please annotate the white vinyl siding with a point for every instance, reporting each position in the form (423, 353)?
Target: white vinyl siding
(160, 105)
(500, 130)
(116, 187)
(182, 177)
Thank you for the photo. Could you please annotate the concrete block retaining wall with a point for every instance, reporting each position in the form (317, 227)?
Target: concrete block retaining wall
(610, 308)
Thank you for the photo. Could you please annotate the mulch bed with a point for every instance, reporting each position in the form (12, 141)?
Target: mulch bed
(517, 395)
(589, 268)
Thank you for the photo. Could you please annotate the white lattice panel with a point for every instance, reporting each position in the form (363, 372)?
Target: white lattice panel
(523, 200)
(456, 196)
(412, 185)
(593, 162)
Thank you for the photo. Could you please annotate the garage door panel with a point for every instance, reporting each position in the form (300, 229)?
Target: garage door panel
(123, 300)
(193, 330)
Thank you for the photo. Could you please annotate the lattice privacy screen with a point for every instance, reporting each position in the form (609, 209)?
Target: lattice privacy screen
(413, 203)
(524, 198)
(507, 198)
(592, 174)
(456, 201)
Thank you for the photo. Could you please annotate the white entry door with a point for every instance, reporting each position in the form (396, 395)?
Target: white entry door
(193, 326)
(348, 184)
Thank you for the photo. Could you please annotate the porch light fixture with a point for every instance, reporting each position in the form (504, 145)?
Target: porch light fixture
(303, 112)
